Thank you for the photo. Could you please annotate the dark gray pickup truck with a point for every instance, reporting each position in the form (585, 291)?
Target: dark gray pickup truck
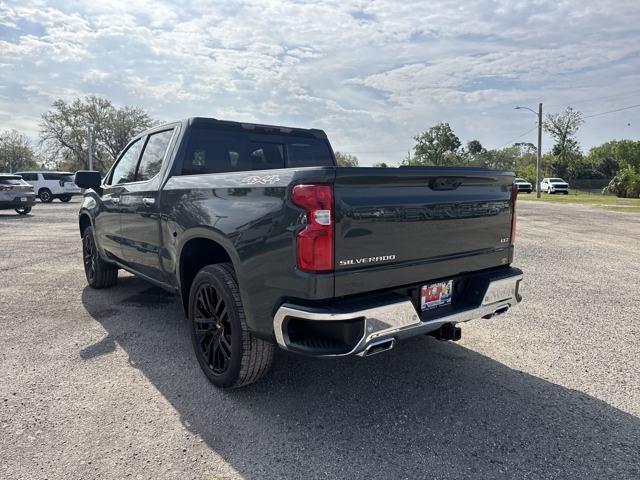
(268, 242)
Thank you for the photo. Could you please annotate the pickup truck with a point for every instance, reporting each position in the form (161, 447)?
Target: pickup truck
(267, 242)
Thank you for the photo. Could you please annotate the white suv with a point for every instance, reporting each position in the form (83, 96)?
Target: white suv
(50, 185)
(554, 185)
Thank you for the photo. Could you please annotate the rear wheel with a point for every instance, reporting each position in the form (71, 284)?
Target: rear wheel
(228, 353)
(65, 198)
(100, 274)
(23, 210)
(45, 195)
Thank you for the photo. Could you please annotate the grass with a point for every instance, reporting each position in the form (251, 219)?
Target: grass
(585, 197)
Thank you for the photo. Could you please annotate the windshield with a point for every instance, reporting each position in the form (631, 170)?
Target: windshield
(521, 180)
(557, 180)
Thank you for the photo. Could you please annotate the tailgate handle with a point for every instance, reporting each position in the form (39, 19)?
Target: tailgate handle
(445, 183)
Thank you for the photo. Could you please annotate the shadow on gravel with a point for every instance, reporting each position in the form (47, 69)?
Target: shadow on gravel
(427, 409)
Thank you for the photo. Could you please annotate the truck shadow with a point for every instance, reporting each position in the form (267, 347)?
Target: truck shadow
(428, 409)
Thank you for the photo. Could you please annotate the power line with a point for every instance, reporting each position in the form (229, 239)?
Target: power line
(518, 137)
(593, 99)
(612, 111)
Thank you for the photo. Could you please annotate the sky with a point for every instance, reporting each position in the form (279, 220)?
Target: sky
(371, 74)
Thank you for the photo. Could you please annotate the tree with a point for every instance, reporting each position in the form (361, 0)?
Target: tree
(563, 128)
(380, 165)
(16, 152)
(437, 146)
(63, 131)
(346, 160)
(474, 147)
(607, 159)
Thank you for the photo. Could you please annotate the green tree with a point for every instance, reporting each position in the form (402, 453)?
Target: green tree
(474, 147)
(346, 160)
(607, 159)
(63, 131)
(16, 152)
(563, 128)
(437, 146)
(380, 165)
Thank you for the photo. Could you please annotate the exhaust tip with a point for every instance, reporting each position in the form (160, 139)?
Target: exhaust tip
(379, 347)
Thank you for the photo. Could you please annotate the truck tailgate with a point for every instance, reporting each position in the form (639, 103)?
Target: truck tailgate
(407, 225)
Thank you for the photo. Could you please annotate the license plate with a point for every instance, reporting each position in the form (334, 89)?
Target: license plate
(436, 295)
(23, 199)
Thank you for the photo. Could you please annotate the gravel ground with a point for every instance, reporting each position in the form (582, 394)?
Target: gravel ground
(104, 384)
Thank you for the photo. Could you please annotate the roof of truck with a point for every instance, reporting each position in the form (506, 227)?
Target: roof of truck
(231, 125)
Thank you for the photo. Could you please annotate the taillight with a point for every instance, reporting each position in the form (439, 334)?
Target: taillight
(4, 188)
(315, 242)
(514, 196)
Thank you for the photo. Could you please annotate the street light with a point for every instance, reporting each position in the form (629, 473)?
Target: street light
(89, 126)
(538, 159)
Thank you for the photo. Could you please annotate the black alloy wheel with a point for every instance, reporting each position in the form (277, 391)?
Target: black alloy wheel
(212, 328)
(229, 354)
(99, 273)
(89, 256)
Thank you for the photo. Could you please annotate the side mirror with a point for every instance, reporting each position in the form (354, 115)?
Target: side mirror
(88, 179)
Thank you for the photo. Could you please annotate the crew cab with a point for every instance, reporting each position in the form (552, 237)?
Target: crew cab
(554, 185)
(522, 185)
(269, 244)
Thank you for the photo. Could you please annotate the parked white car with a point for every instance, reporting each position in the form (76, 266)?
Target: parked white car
(554, 185)
(49, 185)
(522, 185)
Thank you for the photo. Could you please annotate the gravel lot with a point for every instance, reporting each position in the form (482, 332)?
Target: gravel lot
(104, 384)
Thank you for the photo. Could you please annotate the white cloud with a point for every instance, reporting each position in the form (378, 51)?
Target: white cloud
(372, 74)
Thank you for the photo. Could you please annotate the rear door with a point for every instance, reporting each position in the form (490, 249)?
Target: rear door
(407, 225)
(139, 207)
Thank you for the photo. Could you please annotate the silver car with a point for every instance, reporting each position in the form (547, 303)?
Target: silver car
(16, 194)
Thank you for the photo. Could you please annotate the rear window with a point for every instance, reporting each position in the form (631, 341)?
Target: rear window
(10, 181)
(212, 151)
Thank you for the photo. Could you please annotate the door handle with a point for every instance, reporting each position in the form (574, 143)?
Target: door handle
(115, 200)
(148, 201)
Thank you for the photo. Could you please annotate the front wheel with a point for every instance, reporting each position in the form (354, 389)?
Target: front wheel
(228, 353)
(45, 195)
(100, 274)
(23, 210)
(65, 198)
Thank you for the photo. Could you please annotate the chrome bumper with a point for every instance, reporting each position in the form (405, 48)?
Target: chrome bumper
(399, 318)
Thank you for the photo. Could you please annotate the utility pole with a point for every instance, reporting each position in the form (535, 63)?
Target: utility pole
(539, 159)
(90, 144)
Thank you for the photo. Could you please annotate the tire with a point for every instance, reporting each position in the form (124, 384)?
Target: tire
(228, 353)
(100, 274)
(45, 195)
(566, 193)
(65, 198)
(23, 210)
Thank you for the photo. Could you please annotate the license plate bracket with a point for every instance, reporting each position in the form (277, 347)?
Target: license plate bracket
(437, 294)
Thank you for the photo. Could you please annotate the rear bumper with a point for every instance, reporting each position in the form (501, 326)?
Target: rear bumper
(384, 320)
(17, 203)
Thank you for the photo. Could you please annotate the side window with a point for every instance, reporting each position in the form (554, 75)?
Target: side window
(51, 176)
(266, 155)
(214, 152)
(30, 177)
(153, 155)
(125, 170)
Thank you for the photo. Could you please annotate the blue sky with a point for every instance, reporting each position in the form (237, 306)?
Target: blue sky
(372, 74)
